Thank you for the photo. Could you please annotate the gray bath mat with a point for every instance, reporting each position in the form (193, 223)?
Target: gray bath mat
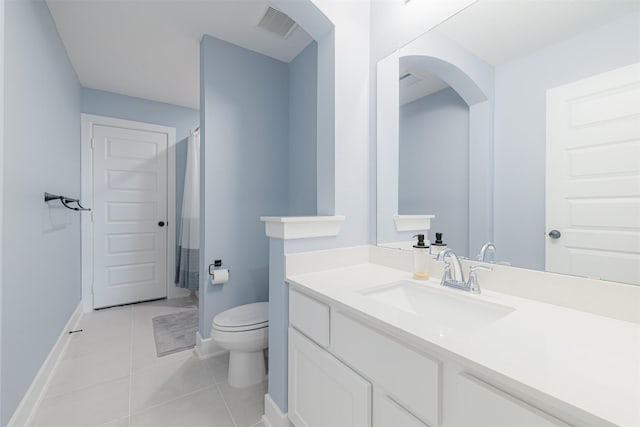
(175, 332)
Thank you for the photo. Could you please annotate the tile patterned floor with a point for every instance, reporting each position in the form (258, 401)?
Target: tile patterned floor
(110, 376)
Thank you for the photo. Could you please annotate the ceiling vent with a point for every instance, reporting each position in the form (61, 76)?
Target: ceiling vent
(277, 23)
(409, 78)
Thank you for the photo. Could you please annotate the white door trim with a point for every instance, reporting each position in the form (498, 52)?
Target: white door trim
(86, 195)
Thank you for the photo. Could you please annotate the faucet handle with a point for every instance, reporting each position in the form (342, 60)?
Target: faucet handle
(472, 283)
(446, 274)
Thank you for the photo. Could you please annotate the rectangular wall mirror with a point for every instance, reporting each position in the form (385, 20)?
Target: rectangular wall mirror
(518, 123)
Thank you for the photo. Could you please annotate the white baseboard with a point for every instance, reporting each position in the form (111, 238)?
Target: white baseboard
(273, 416)
(38, 388)
(206, 348)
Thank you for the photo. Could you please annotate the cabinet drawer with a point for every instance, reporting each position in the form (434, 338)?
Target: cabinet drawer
(309, 316)
(411, 378)
(483, 405)
(387, 413)
(324, 392)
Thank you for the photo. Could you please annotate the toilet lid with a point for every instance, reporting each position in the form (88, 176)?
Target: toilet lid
(255, 315)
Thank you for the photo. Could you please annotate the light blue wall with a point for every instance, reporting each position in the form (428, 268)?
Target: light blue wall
(434, 143)
(520, 129)
(326, 150)
(141, 110)
(278, 324)
(41, 261)
(303, 77)
(244, 169)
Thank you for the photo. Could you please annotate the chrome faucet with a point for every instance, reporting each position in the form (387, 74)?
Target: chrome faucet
(455, 279)
(483, 252)
(473, 285)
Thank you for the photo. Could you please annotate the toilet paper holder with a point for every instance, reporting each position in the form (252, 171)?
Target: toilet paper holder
(217, 264)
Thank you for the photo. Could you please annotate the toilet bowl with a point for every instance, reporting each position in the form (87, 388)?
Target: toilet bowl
(244, 332)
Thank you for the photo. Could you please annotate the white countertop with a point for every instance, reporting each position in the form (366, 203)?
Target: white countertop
(589, 362)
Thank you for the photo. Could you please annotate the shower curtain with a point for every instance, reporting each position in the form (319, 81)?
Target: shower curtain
(188, 263)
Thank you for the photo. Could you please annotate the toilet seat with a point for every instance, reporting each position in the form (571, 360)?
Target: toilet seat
(245, 328)
(243, 318)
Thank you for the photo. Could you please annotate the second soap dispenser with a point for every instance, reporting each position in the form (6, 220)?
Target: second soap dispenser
(421, 258)
(439, 245)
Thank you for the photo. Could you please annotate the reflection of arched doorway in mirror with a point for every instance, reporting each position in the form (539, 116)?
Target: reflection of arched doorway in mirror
(470, 83)
(434, 155)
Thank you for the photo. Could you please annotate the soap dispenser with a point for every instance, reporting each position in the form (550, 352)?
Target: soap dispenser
(421, 258)
(439, 245)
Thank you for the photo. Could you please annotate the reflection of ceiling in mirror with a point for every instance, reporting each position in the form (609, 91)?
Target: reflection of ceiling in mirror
(416, 84)
(501, 30)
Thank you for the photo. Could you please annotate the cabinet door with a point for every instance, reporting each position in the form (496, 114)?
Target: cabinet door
(482, 405)
(412, 378)
(388, 413)
(323, 392)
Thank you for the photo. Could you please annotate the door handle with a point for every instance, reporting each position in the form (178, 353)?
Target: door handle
(555, 234)
(161, 224)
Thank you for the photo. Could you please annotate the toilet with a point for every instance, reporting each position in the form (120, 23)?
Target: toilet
(244, 332)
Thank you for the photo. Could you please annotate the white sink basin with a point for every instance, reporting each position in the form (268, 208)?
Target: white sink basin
(450, 313)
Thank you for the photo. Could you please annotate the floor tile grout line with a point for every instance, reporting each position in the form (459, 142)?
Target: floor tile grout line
(75, 390)
(233, 420)
(131, 411)
(88, 355)
(159, 363)
(97, 384)
(112, 421)
(157, 405)
(136, 319)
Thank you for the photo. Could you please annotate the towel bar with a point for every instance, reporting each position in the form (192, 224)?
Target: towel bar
(66, 201)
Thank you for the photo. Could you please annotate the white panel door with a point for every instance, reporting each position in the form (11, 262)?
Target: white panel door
(593, 177)
(129, 215)
(324, 392)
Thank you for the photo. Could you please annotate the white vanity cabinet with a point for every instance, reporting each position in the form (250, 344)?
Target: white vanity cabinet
(389, 413)
(343, 372)
(480, 404)
(412, 378)
(324, 392)
(328, 365)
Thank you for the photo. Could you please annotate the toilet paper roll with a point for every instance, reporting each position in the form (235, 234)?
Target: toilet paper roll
(219, 276)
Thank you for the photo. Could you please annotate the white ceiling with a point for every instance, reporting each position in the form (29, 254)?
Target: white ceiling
(499, 31)
(151, 48)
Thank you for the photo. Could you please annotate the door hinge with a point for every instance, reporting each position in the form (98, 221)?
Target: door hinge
(92, 143)
(91, 216)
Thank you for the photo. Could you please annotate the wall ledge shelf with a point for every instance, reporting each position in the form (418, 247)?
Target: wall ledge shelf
(413, 222)
(302, 227)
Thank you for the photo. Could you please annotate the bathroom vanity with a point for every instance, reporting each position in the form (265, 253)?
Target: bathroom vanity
(545, 119)
(370, 346)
